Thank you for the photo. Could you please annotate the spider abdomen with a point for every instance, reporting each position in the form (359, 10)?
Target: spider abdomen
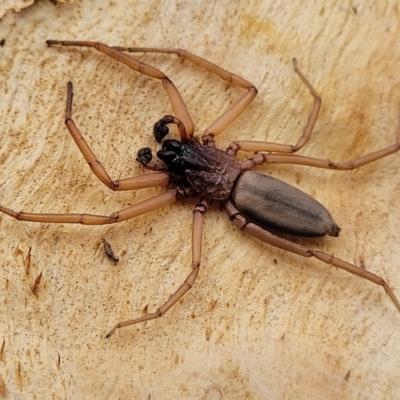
(273, 204)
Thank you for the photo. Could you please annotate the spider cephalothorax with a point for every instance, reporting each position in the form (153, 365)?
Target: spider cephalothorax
(208, 171)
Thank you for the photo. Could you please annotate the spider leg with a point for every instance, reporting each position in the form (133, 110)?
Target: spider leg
(197, 236)
(178, 105)
(137, 182)
(234, 111)
(321, 163)
(277, 241)
(143, 207)
(252, 145)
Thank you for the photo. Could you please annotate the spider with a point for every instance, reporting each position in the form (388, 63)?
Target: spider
(258, 204)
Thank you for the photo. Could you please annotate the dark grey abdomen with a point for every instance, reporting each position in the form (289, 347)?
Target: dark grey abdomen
(273, 204)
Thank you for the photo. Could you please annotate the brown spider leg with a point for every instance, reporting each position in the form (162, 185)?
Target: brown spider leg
(320, 163)
(197, 236)
(252, 145)
(143, 207)
(268, 237)
(177, 103)
(136, 182)
(234, 111)
(317, 162)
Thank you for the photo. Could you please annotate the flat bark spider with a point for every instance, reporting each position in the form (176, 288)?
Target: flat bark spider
(255, 202)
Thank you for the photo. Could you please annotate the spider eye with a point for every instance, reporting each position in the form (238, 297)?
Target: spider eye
(144, 156)
(160, 130)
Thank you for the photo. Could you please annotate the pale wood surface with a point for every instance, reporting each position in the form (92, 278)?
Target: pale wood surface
(259, 323)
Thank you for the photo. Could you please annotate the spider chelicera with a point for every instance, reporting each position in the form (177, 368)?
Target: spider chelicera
(258, 204)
